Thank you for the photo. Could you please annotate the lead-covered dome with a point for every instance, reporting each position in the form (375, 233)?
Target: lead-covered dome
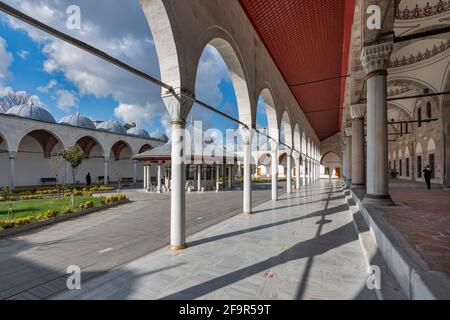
(138, 132)
(112, 126)
(159, 136)
(78, 120)
(31, 111)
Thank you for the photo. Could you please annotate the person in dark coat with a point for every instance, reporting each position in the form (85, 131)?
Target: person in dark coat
(427, 176)
(88, 179)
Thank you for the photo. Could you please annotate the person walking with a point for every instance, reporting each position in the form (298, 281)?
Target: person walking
(88, 179)
(427, 176)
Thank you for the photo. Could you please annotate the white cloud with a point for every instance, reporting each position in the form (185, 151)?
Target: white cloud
(6, 59)
(128, 41)
(134, 113)
(46, 89)
(23, 54)
(66, 99)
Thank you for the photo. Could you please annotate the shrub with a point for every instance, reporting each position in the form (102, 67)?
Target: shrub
(87, 205)
(115, 198)
(24, 220)
(66, 210)
(46, 215)
(7, 224)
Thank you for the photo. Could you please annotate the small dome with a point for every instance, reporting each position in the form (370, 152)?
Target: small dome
(112, 126)
(159, 136)
(78, 120)
(138, 132)
(31, 111)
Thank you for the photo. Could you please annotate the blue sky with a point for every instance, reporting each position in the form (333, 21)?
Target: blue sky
(67, 80)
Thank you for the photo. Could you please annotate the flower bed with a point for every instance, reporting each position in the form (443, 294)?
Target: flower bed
(29, 209)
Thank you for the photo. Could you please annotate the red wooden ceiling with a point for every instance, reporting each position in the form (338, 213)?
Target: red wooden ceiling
(309, 41)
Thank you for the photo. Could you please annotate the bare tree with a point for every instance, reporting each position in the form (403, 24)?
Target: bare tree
(13, 99)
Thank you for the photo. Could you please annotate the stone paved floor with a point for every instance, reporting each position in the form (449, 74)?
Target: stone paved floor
(302, 247)
(33, 265)
(425, 221)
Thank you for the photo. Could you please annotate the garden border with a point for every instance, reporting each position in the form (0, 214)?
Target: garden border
(39, 224)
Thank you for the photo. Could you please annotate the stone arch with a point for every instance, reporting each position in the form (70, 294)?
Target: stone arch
(145, 148)
(419, 149)
(297, 138)
(286, 122)
(4, 140)
(271, 113)
(87, 143)
(228, 50)
(47, 139)
(118, 147)
(163, 36)
(431, 146)
(304, 143)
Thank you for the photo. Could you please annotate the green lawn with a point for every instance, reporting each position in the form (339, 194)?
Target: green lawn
(23, 208)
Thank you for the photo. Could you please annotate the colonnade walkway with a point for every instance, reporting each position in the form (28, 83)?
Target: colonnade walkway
(33, 265)
(303, 246)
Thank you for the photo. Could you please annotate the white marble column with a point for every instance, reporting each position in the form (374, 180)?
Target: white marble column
(159, 176)
(199, 177)
(178, 197)
(145, 178)
(105, 179)
(309, 170)
(358, 145)
(297, 172)
(289, 174)
(178, 107)
(348, 155)
(135, 171)
(230, 169)
(217, 177)
(375, 61)
(274, 169)
(247, 205)
(304, 170)
(12, 170)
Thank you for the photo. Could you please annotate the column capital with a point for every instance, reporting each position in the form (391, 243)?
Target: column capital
(348, 132)
(178, 104)
(358, 111)
(375, 58)
(12, 154)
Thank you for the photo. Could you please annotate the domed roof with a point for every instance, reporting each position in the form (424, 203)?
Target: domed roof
(78, 120)
(112, 126)
(135, 131)
(31, 111)
(159, 136)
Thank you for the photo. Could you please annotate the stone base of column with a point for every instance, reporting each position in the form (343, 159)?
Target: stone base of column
(247, 213)
(378, 200)
(177, 247)
(358, 186)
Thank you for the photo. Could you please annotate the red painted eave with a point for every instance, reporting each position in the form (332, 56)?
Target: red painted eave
(309, 41)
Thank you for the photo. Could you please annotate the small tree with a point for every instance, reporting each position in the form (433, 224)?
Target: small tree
(57, 163)
(74, 156)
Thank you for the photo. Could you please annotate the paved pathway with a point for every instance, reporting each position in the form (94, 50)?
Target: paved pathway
(33, 266)
(424, 219)
(302, 247)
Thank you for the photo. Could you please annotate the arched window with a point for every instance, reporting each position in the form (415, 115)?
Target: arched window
(429, 113)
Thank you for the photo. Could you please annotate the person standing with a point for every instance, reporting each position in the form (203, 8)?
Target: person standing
(427, 176)
(88, 179)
